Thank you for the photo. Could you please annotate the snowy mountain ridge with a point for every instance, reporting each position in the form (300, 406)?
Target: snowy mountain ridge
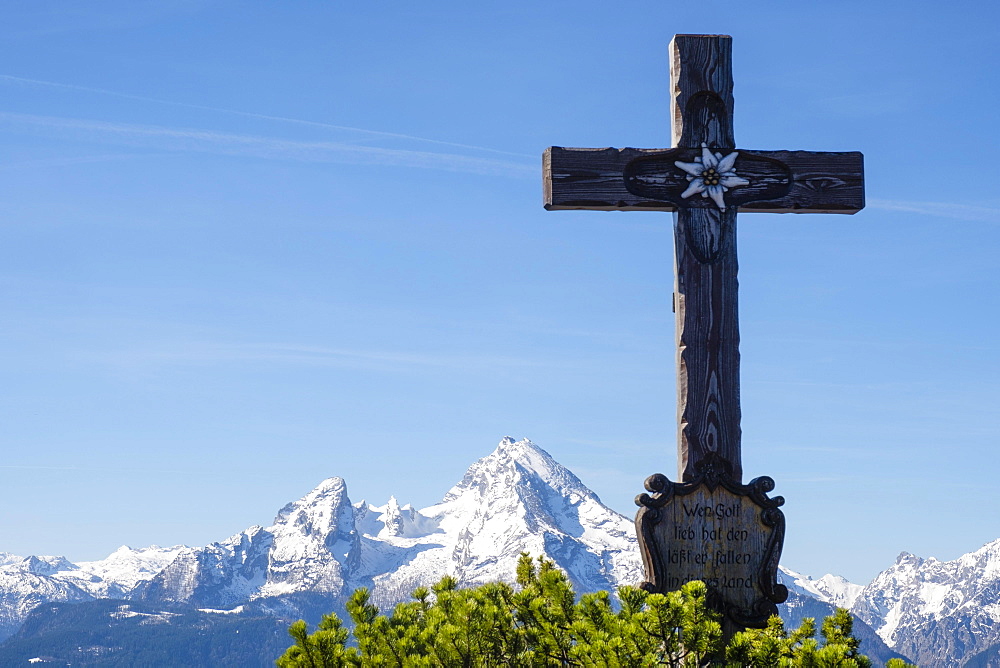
(937, 612)
(517, 499)
(832, 589)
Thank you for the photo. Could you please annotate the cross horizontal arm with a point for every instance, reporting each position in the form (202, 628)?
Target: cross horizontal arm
(635, 179)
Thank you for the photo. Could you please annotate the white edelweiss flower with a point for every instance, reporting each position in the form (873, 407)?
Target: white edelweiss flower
(711, 175)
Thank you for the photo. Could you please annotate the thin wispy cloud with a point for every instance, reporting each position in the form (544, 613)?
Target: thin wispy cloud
(941, 209)
(39, 467)
(201, 353)
(66, 161)
(85, 17)
(88, 469)
(187, 139)
(9, 79)
(118, 470)
(327, 355)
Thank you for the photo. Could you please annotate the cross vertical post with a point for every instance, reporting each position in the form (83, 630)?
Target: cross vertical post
(705, 267)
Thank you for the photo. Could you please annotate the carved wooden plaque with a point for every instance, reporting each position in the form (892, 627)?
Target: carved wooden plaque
(727, 534)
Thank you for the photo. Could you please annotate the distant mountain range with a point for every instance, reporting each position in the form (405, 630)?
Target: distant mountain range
(517, 499)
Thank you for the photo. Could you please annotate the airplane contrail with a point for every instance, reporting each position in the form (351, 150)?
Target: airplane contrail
(267, 147)
(249, 114)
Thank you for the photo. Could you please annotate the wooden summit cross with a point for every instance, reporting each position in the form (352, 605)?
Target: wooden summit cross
(710, 526)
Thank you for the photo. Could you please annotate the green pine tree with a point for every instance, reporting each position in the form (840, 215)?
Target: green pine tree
(540, 622)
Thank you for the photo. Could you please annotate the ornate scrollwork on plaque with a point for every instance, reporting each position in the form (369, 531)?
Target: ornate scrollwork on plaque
(717, 530)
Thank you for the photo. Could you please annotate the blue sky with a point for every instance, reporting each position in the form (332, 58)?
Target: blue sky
(247, 246)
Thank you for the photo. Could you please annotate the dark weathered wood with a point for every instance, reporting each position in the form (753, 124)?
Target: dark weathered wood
(607, 179)
(708, 339)
(701, 78)
(705, 288)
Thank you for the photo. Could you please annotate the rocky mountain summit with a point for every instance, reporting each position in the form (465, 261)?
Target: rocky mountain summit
(517, 499)
(939, 613)
(322, 546)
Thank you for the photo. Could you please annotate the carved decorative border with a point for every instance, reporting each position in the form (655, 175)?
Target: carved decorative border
(657, 176)
(713, 471)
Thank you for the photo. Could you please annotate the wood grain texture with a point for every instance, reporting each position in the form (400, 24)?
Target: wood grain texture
(604, 179)
(708, 339)
(705, 288)
(701, 80)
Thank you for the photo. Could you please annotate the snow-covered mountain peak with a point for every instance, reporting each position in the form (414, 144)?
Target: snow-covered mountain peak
(518, 465)
(8, 558)
(46, 565)
(917, 593)
(992, 546)
(318, 511)
(126, 567)
(518, 499)
(311, 542)
(392, 521)
(990, 551)
(323, 518)
(990, 555)
(527, 454)
(832, 589)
